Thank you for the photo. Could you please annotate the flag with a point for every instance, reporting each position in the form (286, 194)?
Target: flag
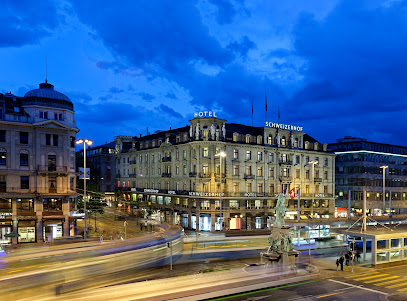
(285, 191)
(278, 112)
(252, 107)
(292, 193)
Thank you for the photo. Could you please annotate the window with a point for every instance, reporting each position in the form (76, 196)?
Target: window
(259, 171)
(184, 170)
(177, 154)
(326, 162)
(184, 154)
(205, 152)
(248, 170)
(307, 174)
(297, 173)
(24, 137)
(249, 187)
(297, 159)
(325, 175)
(271, 188)
(25, 204)
(58, 116)
(283, 141)
(23, 158)
(306, 160)
(235, 170)
(25, 182)
(260, 188)
(259, 156)
(43, 114)
(247, 138)
(3, 186)
(235, 154)
(235, 187)
(306, 188)
(271, 157)
(72, 141)
(2, 136)
(177, 170)
(52, 140)
(52, 162)
(248, 155)
(205, 169)
(271, 172)
(270, 139)
(3, 156)
(317, 160)
(325, 189)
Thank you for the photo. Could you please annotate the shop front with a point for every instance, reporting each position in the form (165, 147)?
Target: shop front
(52, 229)
(26, 231)
(6, 227)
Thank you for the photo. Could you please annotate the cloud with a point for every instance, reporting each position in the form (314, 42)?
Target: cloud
(116, 90)
(226, 11)
(169, 111)
(27, 22)
(146, 96)
(243, 47)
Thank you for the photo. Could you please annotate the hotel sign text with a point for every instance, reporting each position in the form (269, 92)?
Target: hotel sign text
(205, 114)
(283, 126)
(193, 193)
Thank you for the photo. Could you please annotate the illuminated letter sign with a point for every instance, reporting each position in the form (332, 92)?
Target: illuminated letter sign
(205, 114)
(284, 126)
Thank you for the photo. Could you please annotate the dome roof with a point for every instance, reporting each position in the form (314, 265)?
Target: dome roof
(46, 90)
(47, 96)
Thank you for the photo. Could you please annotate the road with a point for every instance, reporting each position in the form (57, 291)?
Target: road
(374, 285)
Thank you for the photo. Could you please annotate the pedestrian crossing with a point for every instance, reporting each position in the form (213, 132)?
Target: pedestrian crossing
(392, 282)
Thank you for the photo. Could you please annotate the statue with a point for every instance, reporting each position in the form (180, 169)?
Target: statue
(197, 131)
(224, 131)
(278, 139)
(280, 210)
(292, 141)
(213, 132)
(191, 131)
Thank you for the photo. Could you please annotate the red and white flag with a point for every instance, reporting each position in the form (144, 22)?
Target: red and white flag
(292, 193)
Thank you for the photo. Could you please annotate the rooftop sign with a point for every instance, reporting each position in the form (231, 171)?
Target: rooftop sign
(205, 114)
(284, 126)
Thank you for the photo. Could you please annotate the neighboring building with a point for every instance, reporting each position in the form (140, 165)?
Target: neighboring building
(37, 165)
(102, 163)
(181, 173)
(358, 169)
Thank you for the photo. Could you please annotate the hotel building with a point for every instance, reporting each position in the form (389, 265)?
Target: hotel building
(37, 165)
(210, 170)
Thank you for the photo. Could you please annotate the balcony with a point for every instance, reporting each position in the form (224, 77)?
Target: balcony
(204, 175)
(133, 161)
(118, 175)
(132, 175)
(288, 162)
(317, 179)
(166, 159)
(248, 176)
(166, 175)
(192, 174)
(286, 178)
(44, 168)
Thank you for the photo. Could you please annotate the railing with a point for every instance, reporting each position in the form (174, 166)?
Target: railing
(217, 175)
(285, 178)
(204, 175)
(133, 162)
(192, 174)
(288, 162)
(249, 176)
(43, 168)
(166, 175)
(118, 175)
(318, 180)
(132, 175)
(166, 159)
(52, 190)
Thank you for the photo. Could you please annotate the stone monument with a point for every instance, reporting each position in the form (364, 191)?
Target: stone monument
(281, 248)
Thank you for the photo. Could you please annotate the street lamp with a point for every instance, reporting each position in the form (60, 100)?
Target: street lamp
(85, 142)
(313, 183)
(384, 167)
(220, 155)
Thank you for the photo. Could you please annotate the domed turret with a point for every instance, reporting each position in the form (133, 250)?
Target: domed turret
(47, 96)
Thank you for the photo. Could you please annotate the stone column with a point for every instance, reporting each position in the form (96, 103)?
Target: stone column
(15, 220)
(39, 228)
(213, 217)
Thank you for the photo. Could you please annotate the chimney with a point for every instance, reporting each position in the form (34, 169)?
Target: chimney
(170, 128)
(140, 135)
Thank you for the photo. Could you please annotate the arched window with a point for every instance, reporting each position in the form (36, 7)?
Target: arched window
(52, 161)
(24, 157)
(296, 142)
(283, 141)
(270, 139)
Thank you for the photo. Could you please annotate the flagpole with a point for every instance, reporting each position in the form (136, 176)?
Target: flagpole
(252, 112)
(266, 108)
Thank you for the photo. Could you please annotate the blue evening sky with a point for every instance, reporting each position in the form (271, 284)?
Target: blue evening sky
(334, 67)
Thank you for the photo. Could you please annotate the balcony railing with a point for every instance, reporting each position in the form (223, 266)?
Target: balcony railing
(132, 175)
(118, 175)
(204, 175)
(249, 176)
(288, 162)
(166, 159)
(133, 162)
(286, 178)
(318, 180)
(44, 168)
(192, 174)
(166, 175)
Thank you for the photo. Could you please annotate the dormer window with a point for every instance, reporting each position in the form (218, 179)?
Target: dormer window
(43, 114)
(247, 138)
(58, 116)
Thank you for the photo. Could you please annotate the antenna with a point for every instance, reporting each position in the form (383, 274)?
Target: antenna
(46, 70)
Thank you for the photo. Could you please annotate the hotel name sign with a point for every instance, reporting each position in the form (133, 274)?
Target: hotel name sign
(205, 114)
(281, 126)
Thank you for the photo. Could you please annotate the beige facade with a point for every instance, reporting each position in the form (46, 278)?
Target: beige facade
(182, 173)
(37, 166)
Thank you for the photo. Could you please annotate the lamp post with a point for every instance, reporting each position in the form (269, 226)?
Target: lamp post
(220, 155)
(384, 167)
(84, 142)
(313, 184)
